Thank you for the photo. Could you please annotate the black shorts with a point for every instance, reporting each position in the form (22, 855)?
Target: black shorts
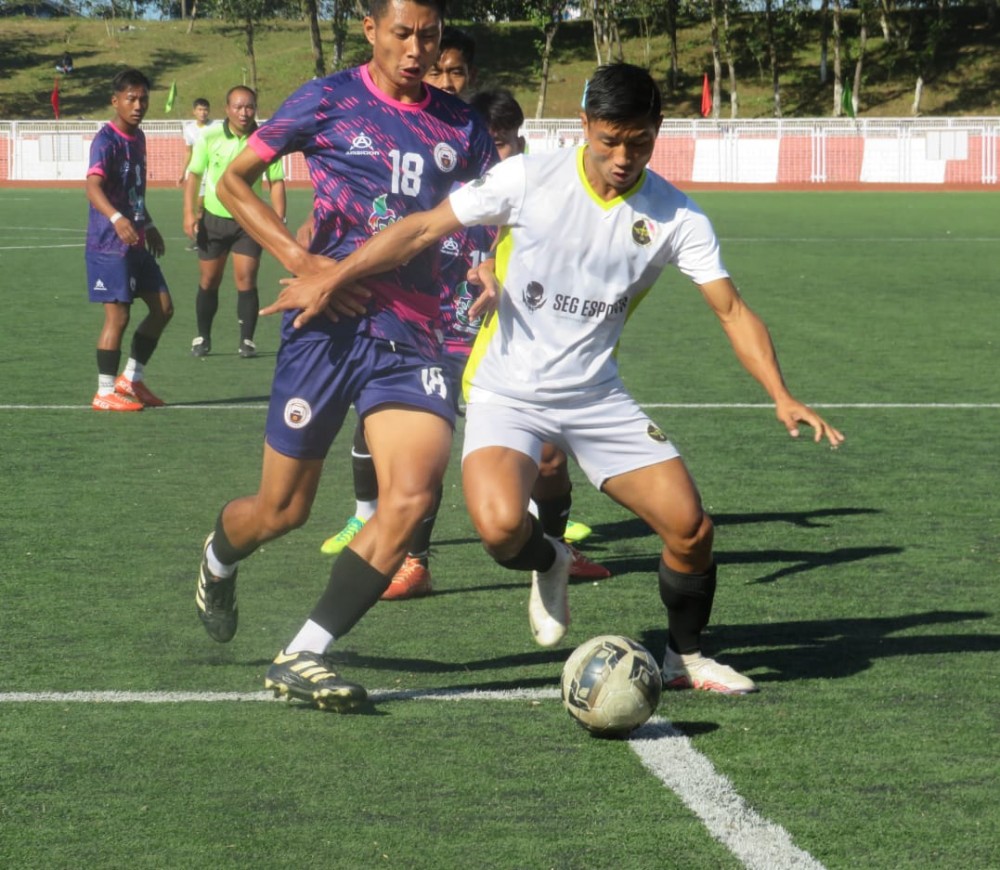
(218, 236)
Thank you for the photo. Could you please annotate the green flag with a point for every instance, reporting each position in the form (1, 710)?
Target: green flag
(847, 99)
(171, 96)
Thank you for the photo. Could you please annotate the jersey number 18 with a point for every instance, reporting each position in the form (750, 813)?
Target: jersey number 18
(406, 171)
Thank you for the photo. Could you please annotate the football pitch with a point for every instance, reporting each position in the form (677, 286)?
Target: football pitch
(858, 587)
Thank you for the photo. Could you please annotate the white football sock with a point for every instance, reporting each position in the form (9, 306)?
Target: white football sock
(311, 638)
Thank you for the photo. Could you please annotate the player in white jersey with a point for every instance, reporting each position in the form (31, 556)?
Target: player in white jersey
(586, 234)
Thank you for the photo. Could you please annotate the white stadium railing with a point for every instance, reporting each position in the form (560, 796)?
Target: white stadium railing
(804, 152)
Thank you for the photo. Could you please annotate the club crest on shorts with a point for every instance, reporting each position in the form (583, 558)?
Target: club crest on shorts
(298, 413)
(656, 433)
(643, 232)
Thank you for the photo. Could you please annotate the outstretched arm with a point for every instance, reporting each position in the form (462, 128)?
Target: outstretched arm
(753, 346)
(392, 247)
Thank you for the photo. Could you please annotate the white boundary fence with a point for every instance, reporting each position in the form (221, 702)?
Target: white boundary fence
(804, 152)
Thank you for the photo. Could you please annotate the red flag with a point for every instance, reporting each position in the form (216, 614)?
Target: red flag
(55, 99)
(706, 98)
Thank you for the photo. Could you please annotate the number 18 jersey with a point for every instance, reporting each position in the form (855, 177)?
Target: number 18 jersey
(373, 160)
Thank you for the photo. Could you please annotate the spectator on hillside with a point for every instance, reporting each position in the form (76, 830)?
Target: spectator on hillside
(65, 64)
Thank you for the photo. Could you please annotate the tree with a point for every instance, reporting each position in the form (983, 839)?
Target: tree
(248, 14)
(547, 15)
(602, 14)
(774, 36)
(311, 10)
(339, 11)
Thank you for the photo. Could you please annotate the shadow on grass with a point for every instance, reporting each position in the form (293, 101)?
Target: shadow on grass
(352, 659)
(242, 400)
(833, 648)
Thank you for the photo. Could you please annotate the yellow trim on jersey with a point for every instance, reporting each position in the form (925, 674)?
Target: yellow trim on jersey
(504, 248)
(632, 305)
(606, 204)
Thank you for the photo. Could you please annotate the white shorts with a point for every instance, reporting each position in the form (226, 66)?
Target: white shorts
(607, 433)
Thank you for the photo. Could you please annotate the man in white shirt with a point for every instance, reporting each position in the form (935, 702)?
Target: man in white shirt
(586, 234)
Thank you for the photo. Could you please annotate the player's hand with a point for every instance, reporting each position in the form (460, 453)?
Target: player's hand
(791, 413)
(126, 231)
(350, 300)
(484, 277)
(154, 242)
(309, 292)
(304, 234)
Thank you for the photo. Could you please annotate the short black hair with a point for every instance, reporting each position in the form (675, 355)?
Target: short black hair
(499, 109)
(129, 78)
(236, 88)
(200, 101)
(378, 8)
(453, 37)
(623, 93)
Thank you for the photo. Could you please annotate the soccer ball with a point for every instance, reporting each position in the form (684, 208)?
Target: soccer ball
(611, 685)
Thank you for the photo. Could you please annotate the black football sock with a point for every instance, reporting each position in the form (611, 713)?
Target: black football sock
(688, 599)
(224, 551)
(365, 480)
(553, 514)
(536, 555)
(421, 543)
(143, 347)
(206, 303)
(247, 308)
(352, 590)
(108, 362)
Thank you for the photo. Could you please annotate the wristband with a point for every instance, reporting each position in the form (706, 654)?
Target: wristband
(117, 216)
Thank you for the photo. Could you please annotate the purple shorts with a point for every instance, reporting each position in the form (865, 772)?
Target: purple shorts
(316, 382)
(114, 278)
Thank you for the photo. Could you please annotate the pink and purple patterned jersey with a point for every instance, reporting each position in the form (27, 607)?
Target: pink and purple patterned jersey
(459, 253)
(373, 160)
(120, 160)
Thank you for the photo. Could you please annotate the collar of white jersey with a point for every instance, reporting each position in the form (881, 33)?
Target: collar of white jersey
(604, 203)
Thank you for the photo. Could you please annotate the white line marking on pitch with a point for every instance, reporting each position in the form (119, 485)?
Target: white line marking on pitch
(692, 406)
(37, 247)
(758, 843)
(664, 750)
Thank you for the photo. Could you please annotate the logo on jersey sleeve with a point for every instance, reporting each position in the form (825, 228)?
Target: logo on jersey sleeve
(445, 157)
(298, 413)
(643, 232)
(382, 216)
(533, 295)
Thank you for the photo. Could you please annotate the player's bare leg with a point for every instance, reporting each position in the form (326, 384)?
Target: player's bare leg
(410, 450)
(497, 483)
(282, 502)
(665, 496)
(552, 496)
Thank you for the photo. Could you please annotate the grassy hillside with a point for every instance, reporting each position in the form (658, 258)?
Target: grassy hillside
(211, 59)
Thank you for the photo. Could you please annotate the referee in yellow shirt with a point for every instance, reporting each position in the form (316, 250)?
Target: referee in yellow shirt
(216, 233)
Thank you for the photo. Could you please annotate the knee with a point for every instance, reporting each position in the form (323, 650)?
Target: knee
(275, 522)
(692, 541)
(500, 528)
(405, 510)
